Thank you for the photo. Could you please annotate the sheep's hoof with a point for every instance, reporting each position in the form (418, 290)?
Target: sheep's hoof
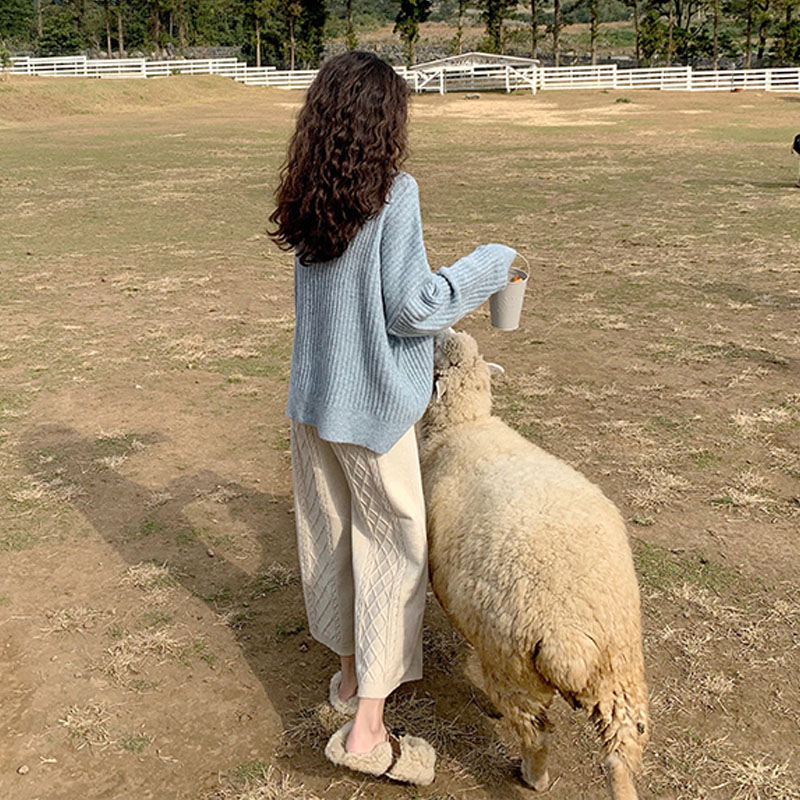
(540, 783)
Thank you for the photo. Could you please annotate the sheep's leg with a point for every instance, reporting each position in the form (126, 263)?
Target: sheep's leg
(620, 779)
(534, 731)
(527, 713)
(621, 720)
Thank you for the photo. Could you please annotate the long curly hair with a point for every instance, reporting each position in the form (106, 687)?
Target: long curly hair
(347, 148)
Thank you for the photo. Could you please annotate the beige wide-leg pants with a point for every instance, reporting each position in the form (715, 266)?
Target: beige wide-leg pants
(363, 551)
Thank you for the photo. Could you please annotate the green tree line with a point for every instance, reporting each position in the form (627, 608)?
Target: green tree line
(292, 33)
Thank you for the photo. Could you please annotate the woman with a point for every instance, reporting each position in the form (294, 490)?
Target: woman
(367, 307)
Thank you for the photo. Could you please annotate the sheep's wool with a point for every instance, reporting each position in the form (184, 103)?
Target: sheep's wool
(362, 360)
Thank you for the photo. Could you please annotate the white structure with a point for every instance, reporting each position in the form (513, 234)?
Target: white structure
(475, 70)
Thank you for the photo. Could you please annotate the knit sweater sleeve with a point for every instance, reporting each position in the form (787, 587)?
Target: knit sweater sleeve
(418, 302)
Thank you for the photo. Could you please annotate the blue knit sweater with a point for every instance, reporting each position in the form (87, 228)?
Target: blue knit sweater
(362, 361)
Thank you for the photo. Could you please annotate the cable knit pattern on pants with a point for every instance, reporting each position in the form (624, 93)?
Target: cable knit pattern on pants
(382, 552)
(322, 517)
(362, 360)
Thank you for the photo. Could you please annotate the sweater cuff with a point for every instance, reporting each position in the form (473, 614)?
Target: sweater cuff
(482, 273)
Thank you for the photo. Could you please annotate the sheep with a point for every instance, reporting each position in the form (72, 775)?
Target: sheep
(531, 563)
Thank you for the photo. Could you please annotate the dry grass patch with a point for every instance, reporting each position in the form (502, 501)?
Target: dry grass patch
(591, 394)
(536, 383)
(87, 726)
(757, 779)
(752, 424)
(157, 499)
(76, 619)
(660, 488)
(155, 580)
(263, 782)
(596, 319)
(222, 494)
(274, 577)
(697, 768)
(748, 376)
(629, 431)
(787, 460)
(748, 491)
(127, 658)
(56, 490)
(112, 462)
(715, 685)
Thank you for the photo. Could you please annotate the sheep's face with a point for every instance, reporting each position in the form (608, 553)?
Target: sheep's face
(461, 382)
(453, 349)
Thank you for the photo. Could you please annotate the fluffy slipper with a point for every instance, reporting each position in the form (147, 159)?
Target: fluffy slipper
(376, 762)
(415, 763)
(346, 707)
(408, 759)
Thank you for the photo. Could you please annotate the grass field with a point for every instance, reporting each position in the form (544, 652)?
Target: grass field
(152, 635)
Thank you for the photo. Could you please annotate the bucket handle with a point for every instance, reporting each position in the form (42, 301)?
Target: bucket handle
(527, 263)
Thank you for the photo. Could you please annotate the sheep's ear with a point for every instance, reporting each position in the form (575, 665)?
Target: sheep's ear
(495, 369)
(438, 390)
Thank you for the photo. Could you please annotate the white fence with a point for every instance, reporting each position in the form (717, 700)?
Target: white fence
(470, 78)
(434, 79)
(602, 76)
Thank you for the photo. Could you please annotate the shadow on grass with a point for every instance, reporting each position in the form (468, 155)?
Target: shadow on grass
(147, 524)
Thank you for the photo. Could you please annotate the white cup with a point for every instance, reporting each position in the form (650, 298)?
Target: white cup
(505, 306)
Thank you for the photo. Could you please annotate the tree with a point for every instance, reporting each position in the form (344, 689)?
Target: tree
(715, 28)
(747, 10)
(555, 29)
(764, 21)
(107, 17)
(310, 31)
(120, 32)
(593, 28)
(60, 35)
(534, 28)
(16, 20)
(5, 61)
(155, 24)
(651, 35)
(670, 35)
(493, 13)
(352, 41)
(293, 12)
(636, 37)
(255, 13)
(456, 45)
(409, 17)
(786, 42)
